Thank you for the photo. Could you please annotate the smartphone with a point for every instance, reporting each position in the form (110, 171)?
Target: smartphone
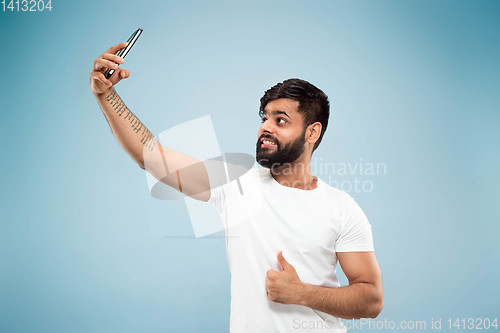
(123, 52)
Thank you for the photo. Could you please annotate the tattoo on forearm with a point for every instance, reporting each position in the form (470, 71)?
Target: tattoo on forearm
(120, 108)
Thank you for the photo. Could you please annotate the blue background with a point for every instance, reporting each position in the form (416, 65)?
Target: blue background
(413, 84)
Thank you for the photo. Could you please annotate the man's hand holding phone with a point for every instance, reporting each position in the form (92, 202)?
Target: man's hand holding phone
(98, 81)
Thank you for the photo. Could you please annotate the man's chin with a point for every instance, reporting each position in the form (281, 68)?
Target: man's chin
(263, 160)
(266, 160)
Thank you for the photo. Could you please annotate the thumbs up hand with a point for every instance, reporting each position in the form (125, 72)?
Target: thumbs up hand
(284, 286)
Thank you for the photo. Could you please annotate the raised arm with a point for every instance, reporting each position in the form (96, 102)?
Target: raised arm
(180, 171)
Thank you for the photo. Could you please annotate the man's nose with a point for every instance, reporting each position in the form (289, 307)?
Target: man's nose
(267, 127)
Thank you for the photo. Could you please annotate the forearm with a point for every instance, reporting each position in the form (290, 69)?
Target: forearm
(359, 300)
(134, 137)
(177, 170)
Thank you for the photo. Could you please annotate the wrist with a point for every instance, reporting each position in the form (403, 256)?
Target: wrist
(303, 293)
(104, 93)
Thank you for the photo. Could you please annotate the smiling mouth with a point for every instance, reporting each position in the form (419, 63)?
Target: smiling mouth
(267, 143)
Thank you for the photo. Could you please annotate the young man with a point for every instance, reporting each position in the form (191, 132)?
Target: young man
(286, 228)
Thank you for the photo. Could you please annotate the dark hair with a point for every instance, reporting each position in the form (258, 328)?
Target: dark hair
(313, 103)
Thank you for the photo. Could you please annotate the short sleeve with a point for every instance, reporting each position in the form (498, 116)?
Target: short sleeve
(356, 231)
(222, 176)
(217, 178)
(217, 198)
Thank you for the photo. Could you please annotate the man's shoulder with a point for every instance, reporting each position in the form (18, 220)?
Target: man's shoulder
(333, 191)
(335, 195)
(243, 179)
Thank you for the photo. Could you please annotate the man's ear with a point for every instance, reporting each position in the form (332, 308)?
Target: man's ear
(313, 132)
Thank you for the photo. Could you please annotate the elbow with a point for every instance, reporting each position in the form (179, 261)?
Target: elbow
(375, 311)
(140, 161)
(375, 308)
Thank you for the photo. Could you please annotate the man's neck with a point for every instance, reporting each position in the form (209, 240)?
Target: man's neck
(296, 175)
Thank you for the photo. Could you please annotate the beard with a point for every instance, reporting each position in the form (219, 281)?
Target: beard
(281, 155)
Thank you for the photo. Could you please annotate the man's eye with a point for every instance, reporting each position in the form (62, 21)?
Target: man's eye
(278, 120)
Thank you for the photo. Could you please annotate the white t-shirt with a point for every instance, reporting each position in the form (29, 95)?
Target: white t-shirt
(260, 218)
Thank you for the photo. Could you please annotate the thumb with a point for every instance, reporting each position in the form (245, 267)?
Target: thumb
(283, 263)
(124, 73)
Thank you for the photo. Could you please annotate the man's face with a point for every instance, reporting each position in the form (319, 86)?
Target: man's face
(281, 137)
